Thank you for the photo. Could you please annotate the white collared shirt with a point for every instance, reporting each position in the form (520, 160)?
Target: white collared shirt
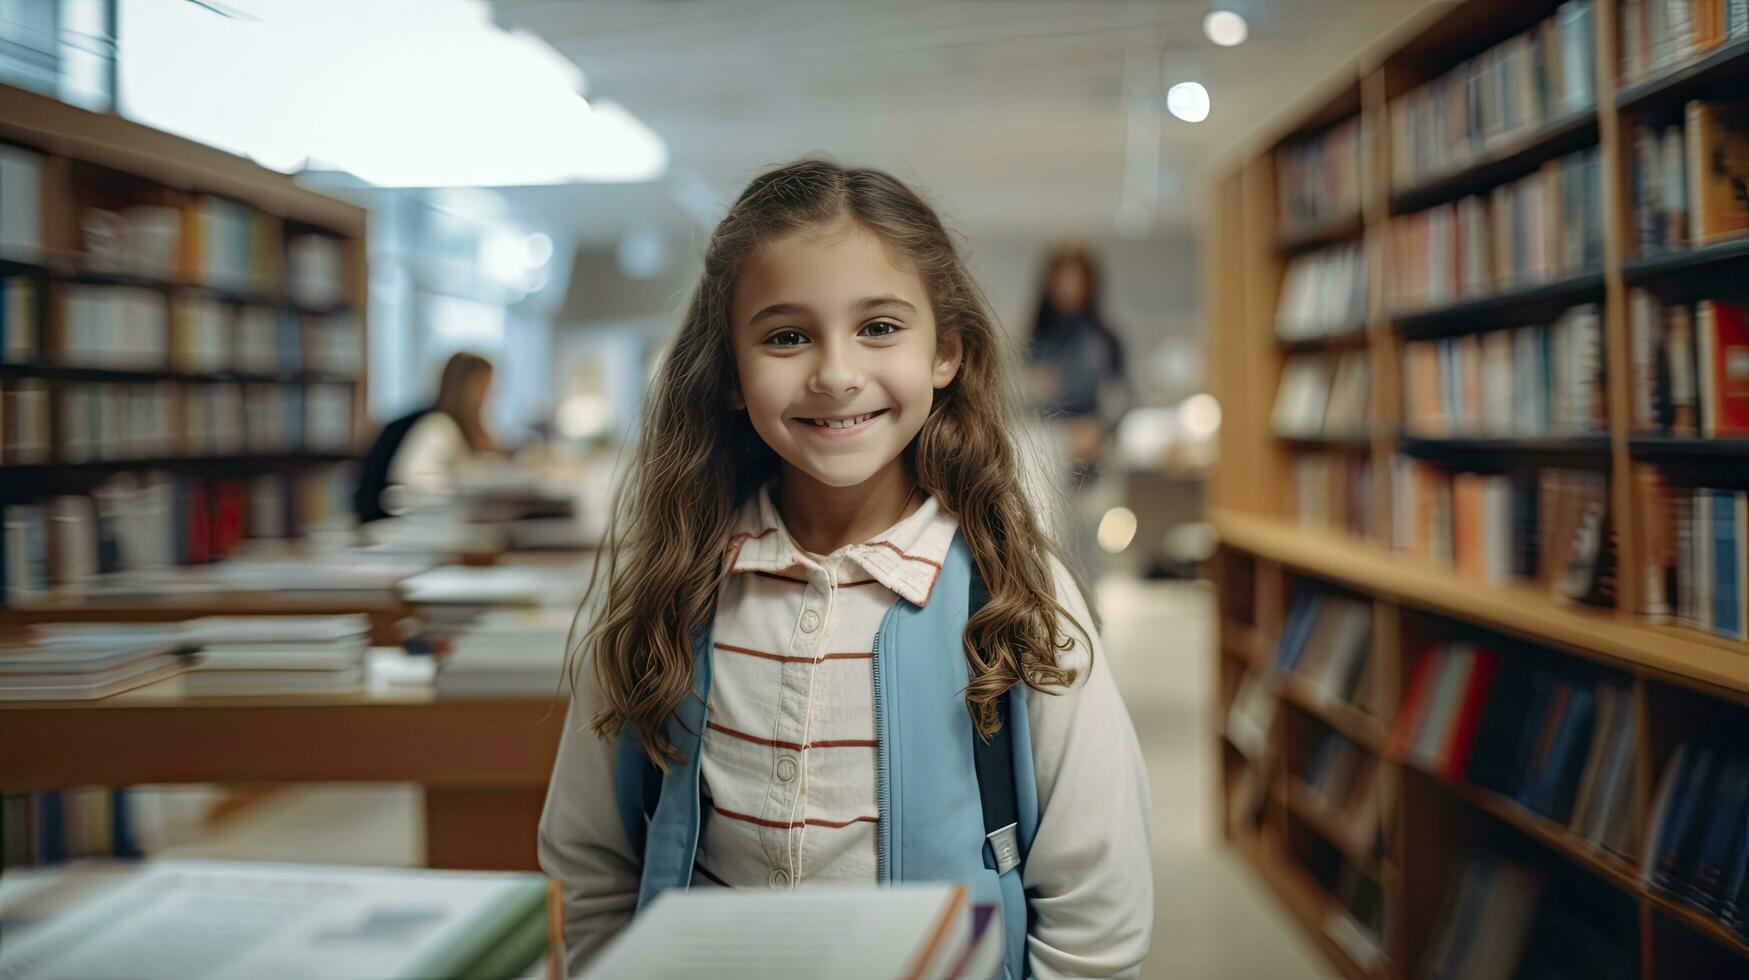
(788, 765)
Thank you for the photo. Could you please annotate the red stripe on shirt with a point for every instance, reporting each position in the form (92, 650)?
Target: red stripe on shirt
(780, 825)
(837, 743)
(761, 654)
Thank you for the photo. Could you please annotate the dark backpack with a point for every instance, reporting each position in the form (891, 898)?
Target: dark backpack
(373, 474)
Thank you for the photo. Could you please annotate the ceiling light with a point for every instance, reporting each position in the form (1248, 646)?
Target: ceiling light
(1188, 101)
(1226, 28)
(400, 93)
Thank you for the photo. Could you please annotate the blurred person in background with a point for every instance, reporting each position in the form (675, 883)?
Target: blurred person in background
(423, 450)
(1075, 376)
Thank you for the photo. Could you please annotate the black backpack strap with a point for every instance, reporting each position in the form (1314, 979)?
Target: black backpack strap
(994, 759)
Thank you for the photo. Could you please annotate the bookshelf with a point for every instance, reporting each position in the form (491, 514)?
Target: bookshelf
(182, 348)
(1571, 142)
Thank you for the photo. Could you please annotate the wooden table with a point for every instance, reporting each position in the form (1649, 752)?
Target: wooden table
(483, 762)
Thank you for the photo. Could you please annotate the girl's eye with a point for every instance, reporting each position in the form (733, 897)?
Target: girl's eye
(881, 328)
(786, 338)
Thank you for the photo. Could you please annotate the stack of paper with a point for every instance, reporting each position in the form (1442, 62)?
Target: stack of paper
(508, 651)
(82, 670)
(497, 585)
(244, 919)
(924, 931)
(278, 654)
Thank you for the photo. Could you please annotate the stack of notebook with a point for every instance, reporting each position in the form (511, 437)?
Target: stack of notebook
(278, 654)
(507, 652)
(82, 669)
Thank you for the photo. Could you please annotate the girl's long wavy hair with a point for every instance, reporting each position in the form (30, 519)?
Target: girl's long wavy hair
(697, 461)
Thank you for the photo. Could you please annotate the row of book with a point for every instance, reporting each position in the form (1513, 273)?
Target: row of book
(1348, 786)
(1549, 526)
(1323, 396)
(1697, 850)
(1354, 919)
(1326, 645)
(153, 520)
(1690, 366)
(1319, 180)
(113, 421)
(1542, 227)
(1512, 89)
(1323, 293)
(1334, 492)
(21, 190)
(1560, 746)
(1528, 381)
(1695, 568)
(134, 328)
(1688, 178)
(61, 825)
(1509, 918)
(1658, 35)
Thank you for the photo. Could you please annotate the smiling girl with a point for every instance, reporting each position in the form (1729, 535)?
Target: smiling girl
(833, 644)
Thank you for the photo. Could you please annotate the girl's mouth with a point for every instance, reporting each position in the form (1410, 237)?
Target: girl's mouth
(841, 425)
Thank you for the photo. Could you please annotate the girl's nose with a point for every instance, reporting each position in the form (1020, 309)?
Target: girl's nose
(836, 372)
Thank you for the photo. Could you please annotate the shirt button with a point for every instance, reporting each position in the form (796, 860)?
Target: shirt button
(810, 621)
(786, 769)
(780, 878)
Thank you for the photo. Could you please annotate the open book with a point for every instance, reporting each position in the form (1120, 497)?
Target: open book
(909, 931)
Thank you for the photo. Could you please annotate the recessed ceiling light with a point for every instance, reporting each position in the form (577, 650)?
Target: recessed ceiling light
(1225, 28)
(1188, 101)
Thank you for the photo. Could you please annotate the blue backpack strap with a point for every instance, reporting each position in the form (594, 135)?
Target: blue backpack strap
(637, 787)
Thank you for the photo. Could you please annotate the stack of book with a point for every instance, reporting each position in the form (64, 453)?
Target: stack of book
(24, 421)
(137, 239)
(1539, 228)
(133, 522)
(20, 328)
(21, 194)
(85, 669)
(228, 245)
(1690, 367)
(1334, 492)
(1326, 645)
(105, 421)
(267, 340)
(1435, 727)
(927, 931)
(508, 652)
(117, 327)
(1551, 526)
(1507, 92)
(1562, 747)
(176, 919)
(1527, 381)
(1695, 554)
(1696, 849)
(1658, 35)
(1688, 178)
(1323, 294)
(1321, 397)
(242, 655)
(60, 825)
(315, 270)
(1251, 716)
(1508, 918)
(1319, 180)
(1346, 784)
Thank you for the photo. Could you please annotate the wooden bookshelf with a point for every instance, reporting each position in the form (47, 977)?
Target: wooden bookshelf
(167, 274)
(1266, 554)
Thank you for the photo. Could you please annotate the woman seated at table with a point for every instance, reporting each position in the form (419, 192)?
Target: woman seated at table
(420, 452)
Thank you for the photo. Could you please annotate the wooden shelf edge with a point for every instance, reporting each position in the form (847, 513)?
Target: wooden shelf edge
(1700, 922)
(1683, 261)
(1354, 724)
(1521, 305)
(1615, 637)
(1670, 84)
(1330, 231)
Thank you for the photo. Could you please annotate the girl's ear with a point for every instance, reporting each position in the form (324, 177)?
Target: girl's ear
(948, 353)
(736, 402)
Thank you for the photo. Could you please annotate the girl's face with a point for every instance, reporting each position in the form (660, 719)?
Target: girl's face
(835, 351)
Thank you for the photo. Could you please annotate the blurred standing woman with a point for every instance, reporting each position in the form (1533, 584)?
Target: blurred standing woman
(422, 450)
(1075, 371)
